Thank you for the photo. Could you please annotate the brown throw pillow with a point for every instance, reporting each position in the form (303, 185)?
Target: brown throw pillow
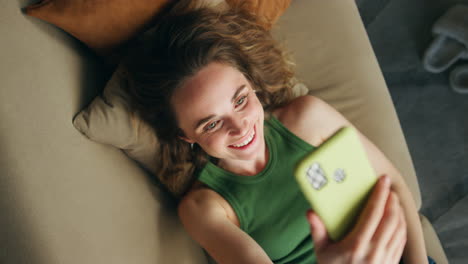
(103, 25)
(268, 10)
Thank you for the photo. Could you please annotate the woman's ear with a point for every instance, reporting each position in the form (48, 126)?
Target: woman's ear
(181, 135)
(186, 139)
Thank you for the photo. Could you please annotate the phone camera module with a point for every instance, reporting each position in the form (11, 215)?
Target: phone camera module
(339, 175)
(316, 176)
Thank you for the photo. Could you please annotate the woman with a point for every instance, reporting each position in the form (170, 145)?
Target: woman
(217, 89)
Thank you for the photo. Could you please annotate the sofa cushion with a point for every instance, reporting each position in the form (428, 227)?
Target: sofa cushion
(109, 119)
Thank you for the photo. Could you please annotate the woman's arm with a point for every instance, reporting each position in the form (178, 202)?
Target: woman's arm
(308, 112)
(206, 221)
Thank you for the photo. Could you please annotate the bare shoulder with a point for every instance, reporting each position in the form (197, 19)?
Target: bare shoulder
(313, 120)
(206, 220)
(203, 202)
(310, 118)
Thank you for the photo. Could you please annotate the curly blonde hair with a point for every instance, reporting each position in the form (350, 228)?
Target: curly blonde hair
(183, 42)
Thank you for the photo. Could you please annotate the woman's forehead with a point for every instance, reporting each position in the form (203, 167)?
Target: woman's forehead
(212, 84)
(208, 94)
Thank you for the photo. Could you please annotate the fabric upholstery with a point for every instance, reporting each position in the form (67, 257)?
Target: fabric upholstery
(109, 119)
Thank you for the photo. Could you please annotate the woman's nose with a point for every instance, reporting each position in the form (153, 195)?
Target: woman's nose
(238, 126)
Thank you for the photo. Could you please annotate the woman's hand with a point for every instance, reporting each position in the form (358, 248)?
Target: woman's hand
(379, 235)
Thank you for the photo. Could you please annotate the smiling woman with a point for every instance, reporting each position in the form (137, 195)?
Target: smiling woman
(174, 57)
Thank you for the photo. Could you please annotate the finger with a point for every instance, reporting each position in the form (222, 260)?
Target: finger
(386, 229)
(398, 241)
(318, 231)
(397, 253)
(389, 222)
(373, 211)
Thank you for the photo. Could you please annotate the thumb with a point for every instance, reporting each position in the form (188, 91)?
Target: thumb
(317, 230)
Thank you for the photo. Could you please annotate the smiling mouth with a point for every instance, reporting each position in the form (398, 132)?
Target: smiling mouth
(246, 142)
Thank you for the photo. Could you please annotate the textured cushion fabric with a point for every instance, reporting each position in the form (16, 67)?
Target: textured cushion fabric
(109, 119)
(102, 25)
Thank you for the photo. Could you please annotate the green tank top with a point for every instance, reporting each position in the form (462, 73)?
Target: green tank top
(270, 205)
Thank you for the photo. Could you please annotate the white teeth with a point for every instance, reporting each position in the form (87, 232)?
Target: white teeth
(247, 141)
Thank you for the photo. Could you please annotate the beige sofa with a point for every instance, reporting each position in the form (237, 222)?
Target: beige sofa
(66, 199)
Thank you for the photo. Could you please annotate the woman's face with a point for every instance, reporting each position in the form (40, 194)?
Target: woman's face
(218, 109)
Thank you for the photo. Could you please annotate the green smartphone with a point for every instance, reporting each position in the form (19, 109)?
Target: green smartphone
(336, 178)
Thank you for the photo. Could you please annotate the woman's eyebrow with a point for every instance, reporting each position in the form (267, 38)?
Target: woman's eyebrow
(206, 119)
(237, 92)
(202, 121)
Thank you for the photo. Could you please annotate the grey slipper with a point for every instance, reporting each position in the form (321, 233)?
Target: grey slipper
(459, 79)
(451, 40)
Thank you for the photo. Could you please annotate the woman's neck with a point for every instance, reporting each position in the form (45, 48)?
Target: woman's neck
(246, 167)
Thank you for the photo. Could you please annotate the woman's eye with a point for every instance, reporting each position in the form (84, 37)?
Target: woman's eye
(211, 126)
(241, 100)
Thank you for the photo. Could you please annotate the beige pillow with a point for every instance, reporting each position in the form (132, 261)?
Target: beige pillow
(109, 119)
